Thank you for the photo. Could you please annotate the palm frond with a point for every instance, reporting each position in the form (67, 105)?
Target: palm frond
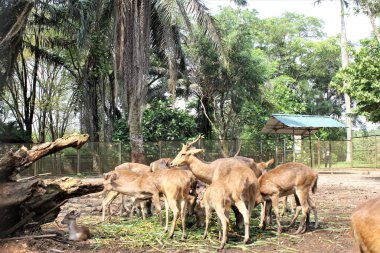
(207, 24)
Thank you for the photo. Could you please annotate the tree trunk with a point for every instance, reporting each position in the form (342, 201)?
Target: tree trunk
(136, 55)
(372, 19)
(13, 17)
(33, 200)
(347, 99)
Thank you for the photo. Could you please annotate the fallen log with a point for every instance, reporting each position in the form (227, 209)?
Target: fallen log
(33, 199)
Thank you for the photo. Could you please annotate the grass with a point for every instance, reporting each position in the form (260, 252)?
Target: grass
(132, 233)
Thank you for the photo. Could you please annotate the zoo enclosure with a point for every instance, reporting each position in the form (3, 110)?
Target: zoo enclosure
(95, 158)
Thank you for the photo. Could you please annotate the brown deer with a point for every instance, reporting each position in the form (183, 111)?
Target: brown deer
(175, 186)
(139, 186)
(284, 180)
(76, 233)
(219, 198)
(258, 169)
(365, 223)
(242, 182)
(109, 196)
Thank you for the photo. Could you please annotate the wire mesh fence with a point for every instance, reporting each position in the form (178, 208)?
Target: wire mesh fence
(95, 158)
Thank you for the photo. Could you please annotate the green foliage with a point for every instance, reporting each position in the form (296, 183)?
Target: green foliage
(161, 122)
(11, 133)
(362, 79)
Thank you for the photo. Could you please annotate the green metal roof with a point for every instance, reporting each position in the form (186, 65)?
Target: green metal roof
(299, 124)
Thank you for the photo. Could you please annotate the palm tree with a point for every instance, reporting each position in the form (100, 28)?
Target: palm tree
(136, 21)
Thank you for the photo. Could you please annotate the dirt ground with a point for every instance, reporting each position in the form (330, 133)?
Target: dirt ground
(337, 196)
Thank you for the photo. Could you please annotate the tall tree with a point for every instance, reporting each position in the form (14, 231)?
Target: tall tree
(133, 28)
(345, 62)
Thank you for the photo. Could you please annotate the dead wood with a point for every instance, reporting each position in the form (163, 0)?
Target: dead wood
(33, 199)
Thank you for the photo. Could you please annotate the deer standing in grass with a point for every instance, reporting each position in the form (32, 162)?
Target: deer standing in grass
(219, 198)
(173, 184)
(109, 196)
(284, 180)
(365, 223)
(241, 181)
(76, 233)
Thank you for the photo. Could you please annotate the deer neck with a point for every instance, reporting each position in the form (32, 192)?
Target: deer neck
(201, 170)
(73, 229)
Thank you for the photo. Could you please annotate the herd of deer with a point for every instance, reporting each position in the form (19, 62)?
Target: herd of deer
(237, 182)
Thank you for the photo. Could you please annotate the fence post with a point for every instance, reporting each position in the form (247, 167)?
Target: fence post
(284, 150)
(120, 156)
(375, 152)
(261, 149)
(352, 153)
(160, 148)
(78, 161)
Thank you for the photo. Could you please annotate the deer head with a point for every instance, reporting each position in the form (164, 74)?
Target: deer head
(263, 165)
(73, 215)
(185, 153)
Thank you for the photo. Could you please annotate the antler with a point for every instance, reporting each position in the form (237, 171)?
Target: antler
(238, 152)
(195, 141)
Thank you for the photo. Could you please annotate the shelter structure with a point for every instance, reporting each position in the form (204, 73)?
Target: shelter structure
(303, 125)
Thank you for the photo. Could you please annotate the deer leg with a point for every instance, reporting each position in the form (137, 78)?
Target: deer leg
(124, 207)
(303, 196)
(244, 211)
(224, 221)
(297, 212)
(207, 220)
(263, 221)
(143, 208)
(106, 203)
(238, 217)
(166, 215)
(275, 208)
(284, 205)
(314, 208)
(183, 218)
(174, 206)
(157, 205)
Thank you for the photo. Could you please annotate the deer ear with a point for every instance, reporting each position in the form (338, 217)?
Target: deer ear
(195, 151)
(114, 176)
(270, 162)
(72, 212)
(77, 214)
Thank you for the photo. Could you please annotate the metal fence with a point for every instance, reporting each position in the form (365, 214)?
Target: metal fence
(97, 158)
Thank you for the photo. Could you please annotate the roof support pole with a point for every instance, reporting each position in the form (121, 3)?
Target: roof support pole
(294, 147)
(311, 153)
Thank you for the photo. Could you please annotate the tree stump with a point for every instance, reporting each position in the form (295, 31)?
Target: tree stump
(33, 199)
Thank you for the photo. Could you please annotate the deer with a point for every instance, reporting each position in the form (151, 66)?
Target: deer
(242, 182)
(365, 225)
(258, 169)
(284, 180)
(138, 186)
(76, 233)
(219, 198)
(109, 196)
(175, 184)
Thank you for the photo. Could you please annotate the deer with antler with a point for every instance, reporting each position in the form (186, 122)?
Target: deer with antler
(240, 181)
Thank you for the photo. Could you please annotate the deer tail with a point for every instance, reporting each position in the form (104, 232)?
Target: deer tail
(314, 187)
